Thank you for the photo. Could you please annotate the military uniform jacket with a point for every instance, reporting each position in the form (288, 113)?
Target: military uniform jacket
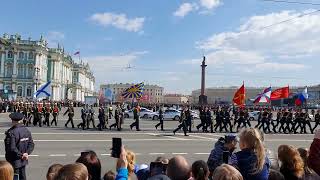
(18, 141)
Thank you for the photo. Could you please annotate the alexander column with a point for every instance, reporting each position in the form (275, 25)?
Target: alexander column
(203, 98)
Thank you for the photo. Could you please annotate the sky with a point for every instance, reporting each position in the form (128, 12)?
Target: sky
(164, 41)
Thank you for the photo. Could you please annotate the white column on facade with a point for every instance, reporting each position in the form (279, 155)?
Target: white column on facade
(14, 74)
(2, 64)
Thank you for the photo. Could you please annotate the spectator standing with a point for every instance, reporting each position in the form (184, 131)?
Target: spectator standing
(224, 146)
(92, 162)
(178, 168)
(309, 173)
(200, 170)
(18, 145)
(6, 171)
(109, 176)
(53, 171)
(76, 171)
(314, 157)
(226, 172)
(251, 161)
(292, 166)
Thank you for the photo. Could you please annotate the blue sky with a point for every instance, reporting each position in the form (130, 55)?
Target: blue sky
(164, 40)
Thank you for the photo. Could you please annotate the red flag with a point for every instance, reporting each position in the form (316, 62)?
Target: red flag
(280, 93)
(77, 53)
(239, 96)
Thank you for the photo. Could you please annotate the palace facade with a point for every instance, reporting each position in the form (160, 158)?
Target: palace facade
(27, 64)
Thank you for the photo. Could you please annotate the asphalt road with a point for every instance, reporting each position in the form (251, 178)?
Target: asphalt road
(62, 145)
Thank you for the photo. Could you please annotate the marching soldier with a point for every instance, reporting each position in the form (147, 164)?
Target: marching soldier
(283, 121)
(25, 115)
(116, 117)
(226, 120)
(208, 120)
(90, 118)
(55, 113)
(110, 111)
(101, 117)
(136, 116)
(183, 123)
(219, 117)
(121, 117)
(47, 112)
(161, 111)
(84, 114)
(202, 119)
(189, 118)
(18, 145)
(241, 119)
(70, 112)
(317, 120)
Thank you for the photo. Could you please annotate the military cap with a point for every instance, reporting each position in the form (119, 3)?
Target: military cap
(16, 116)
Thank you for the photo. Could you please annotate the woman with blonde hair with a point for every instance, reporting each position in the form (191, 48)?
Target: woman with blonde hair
(131, 160)
(292, 166)
(6, 171)
(226, 172)
(251, 161)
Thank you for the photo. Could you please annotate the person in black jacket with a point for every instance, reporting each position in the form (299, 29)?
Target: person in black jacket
(70, 113)
(161, 111)
(18, 145)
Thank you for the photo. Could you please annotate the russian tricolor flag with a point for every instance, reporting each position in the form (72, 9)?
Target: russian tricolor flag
(302, 97)
(263, 97)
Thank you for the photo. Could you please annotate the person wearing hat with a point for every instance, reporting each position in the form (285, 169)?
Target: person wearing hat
(222, 151)
(18, 145)
(70, 112)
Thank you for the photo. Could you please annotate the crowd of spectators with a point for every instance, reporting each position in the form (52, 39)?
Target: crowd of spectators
(251, 162)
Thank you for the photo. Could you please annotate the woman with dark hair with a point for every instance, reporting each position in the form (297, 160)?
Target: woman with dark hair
(292, 166)
(92, 162)
(200, 170)
(309, 173)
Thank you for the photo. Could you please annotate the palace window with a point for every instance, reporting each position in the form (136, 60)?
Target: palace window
(10, 55)
(31, 56)
(8, 70)
(30, 70)
(19, 91)
(20, 70)
(29, 91)
(21, 54)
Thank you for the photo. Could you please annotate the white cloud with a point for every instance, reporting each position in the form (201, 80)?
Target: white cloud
(278, 48)
(54, 37)
(210, 4)
(185, 9)
(120, 21)
(280, 67)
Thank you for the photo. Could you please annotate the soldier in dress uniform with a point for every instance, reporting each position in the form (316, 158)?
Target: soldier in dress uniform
(84, 115)
(189, 119)
(136, 116)
(226, 120)
(90, 118)
(55, 113)
(70, 112)
(183, 123)
(25, 114)
(219, 117)
(283, 121)
(39, 111)
(47, 112)
(18, 145)
(241, 119)
(101, 117)
(316, 120)
(161, 111)
(208, 120)
(202, 119)
(116, 117)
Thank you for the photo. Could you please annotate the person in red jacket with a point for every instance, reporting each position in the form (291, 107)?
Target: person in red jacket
(314, 156)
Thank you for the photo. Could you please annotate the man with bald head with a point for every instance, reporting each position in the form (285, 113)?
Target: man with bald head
(178, 168)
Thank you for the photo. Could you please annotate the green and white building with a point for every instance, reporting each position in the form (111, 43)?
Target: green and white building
(26, 64)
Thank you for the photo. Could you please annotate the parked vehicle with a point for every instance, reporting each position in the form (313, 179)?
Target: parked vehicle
(168, 114)
(144, 113)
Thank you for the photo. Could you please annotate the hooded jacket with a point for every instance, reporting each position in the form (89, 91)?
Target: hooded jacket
(216, 156)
